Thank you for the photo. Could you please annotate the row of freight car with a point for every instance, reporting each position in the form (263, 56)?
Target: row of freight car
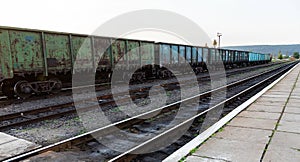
(39, 61)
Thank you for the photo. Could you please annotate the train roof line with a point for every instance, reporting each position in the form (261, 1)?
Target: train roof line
(113, 38)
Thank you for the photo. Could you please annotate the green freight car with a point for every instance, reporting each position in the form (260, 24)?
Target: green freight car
(36, 61)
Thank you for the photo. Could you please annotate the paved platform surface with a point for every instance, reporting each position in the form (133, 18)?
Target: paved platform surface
(10, 146)
(268, 130)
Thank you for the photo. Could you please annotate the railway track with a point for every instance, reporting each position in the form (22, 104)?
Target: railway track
(103, 86)
(232, 101)
(237, 93)
(50, 112)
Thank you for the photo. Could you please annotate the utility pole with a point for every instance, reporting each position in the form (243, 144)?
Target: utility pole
(219, 35)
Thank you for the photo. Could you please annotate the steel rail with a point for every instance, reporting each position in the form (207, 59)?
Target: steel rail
(127, 122)
(26, 117)
(126, 154)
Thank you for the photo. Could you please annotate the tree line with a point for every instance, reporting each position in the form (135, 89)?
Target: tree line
(295, 55)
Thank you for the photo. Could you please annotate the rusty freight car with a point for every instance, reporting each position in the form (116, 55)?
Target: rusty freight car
(38, 61)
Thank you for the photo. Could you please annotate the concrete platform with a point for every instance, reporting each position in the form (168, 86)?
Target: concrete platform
(268, 130)
(10, 146)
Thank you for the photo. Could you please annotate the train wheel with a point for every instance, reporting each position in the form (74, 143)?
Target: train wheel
(8, 88)
(23, 89)
(55, 85)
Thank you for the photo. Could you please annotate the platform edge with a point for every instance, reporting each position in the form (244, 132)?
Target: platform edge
(185, 150)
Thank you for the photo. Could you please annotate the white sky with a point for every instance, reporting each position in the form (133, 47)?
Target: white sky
(242, 22)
